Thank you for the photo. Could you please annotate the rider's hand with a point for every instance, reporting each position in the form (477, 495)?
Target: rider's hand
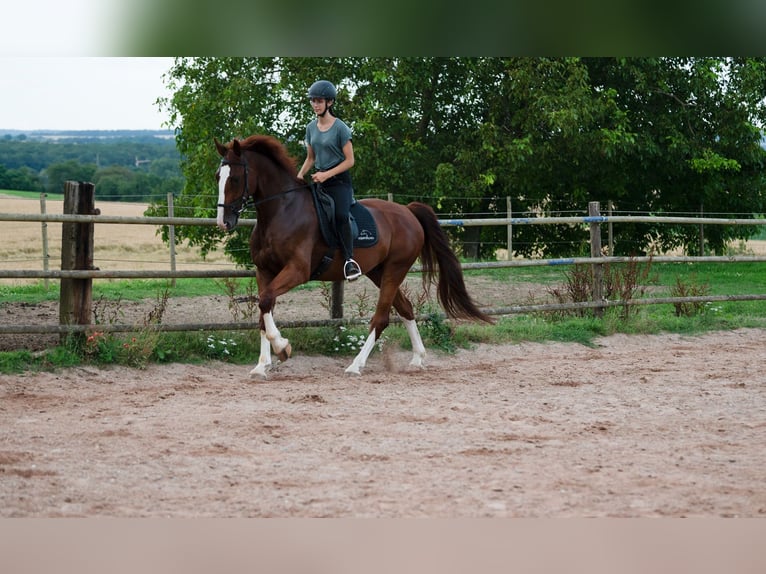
(319, 177)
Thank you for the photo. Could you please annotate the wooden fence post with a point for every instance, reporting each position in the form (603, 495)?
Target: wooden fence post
(43, 211)
(594, 210)
(336, 306)
(510, 229)
(76, 295)
(172, 238)
(610, 228)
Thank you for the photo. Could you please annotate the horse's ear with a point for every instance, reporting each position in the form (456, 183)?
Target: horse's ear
(236, 147)
(220, 147)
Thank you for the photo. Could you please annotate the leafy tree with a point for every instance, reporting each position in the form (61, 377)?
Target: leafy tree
(23, 179)
(116, 183)
(652, 135)
(57, 174)
(32, 164)
(697, 143)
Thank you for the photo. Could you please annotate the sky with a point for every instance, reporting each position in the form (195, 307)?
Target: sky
(74, 65)
(82, 93)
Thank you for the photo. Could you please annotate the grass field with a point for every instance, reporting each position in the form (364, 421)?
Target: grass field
(115, 246)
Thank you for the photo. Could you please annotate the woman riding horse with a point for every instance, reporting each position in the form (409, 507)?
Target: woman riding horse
(329, 149)
(288, 249)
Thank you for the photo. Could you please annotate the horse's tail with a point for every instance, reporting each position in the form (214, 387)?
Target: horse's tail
(438, 260)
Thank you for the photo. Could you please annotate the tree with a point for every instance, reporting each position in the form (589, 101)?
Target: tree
(71, 170)
(23, 179)
(697, 142)
(652, 135)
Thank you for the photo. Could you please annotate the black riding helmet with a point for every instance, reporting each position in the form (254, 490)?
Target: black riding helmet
(323, 89)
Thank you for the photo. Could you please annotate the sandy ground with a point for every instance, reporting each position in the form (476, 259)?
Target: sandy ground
(637, 426)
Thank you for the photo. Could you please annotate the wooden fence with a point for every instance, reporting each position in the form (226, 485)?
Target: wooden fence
(77, 272)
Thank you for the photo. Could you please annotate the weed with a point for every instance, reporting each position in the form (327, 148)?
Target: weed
(347, 341)
(99, 347)
(107, 312)
(419, 302)
(689, 289)
(627, 282)
(363, 306)
(137, 351)
(622, 282)
(134, 350)
(245, 307)
(438, 332)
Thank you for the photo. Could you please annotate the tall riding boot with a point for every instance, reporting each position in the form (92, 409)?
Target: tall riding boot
(351, 269)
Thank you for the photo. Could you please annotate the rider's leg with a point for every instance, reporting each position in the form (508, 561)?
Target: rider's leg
(343, 196)
(351, 269)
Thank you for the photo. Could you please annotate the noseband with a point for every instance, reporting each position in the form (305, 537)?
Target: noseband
(239, 204)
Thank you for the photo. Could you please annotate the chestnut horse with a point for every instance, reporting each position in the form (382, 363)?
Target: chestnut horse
(287, 246)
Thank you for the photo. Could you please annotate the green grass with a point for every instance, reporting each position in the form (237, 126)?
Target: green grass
(242, 347)
(132, 290)
(29, 194)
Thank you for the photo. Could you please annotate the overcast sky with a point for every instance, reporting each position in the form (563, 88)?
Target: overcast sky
(81, 93)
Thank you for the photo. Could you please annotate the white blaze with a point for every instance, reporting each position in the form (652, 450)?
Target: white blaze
(223, 175)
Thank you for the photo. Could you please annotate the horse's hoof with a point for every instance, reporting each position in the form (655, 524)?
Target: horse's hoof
(258, 371)
(285, 353)
(353, 370)
(417, 362)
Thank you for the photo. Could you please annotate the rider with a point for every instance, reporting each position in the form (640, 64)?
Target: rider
(329, 149)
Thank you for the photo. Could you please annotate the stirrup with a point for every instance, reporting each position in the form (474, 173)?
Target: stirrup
(351, 270)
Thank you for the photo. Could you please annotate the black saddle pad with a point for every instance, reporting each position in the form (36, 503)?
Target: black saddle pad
(366, 233)
(362, 222)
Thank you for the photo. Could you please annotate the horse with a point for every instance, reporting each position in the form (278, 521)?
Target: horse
(288, 248)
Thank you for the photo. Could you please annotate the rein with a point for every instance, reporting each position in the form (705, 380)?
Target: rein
(239, 204)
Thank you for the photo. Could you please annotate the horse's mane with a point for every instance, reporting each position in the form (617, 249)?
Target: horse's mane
(272, 148)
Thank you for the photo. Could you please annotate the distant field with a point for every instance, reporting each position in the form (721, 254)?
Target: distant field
(116, 246)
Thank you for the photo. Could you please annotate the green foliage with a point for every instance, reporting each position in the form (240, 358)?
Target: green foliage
(20, 361)
(70, 170)
(110, 162)
(220, 347)
(22, 178)
(349, 341)
(15, 361)
(438, 332)
(653, 135)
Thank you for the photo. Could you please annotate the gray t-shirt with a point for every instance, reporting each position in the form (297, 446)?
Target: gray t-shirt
(328, 146)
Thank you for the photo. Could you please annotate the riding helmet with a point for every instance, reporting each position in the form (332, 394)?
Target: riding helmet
(323, 89)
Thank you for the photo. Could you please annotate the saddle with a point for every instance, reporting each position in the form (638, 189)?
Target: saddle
(363, 227)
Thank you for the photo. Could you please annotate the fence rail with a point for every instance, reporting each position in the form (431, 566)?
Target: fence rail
(250, 325)
(214, 273)
(570, 220)
(81, 276)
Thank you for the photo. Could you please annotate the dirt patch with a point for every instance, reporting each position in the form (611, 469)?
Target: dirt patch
(635, 426)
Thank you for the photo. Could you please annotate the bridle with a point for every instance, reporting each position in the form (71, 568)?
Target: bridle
(240, 204)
